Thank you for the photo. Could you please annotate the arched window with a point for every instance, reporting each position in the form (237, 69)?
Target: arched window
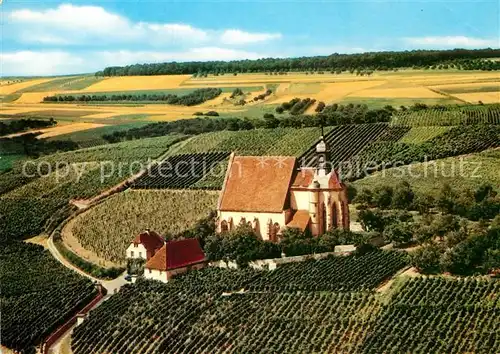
(224, 226)
(275, 232)
(335, 215)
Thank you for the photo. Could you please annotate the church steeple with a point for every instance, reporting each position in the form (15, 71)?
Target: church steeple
(322, 168)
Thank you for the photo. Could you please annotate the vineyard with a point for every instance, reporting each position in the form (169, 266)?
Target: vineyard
(428, 178)
(439, 316)
(346, 141)
(38, 294)
(26, 203)
(447, 116)
(200, 312)
(108, 228)
(456, 141)
(418, 135)
(351, 273)
(280, 141)
(181, 171)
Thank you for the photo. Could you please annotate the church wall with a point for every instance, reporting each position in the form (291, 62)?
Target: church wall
(263, 218)
(299, 200)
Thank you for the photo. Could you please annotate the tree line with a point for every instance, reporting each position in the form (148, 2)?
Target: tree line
(336, 115)
(20, 125)
(337, 62)
(191, 99)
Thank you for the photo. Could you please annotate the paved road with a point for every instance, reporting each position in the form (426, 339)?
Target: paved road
(112, 286)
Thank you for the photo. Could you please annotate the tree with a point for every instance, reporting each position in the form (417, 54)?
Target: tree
(365, 196)
(446, 199)
(403, 196)
(426, 258)
(371, 220)
(382, 196)
(398, 233)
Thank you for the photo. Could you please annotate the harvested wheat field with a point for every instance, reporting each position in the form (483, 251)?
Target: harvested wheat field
(8, 89)
(406, 92)
(68, 128)
(326, 92)
(475, 97)
(32, 97)
(60, 129)
(131, 83)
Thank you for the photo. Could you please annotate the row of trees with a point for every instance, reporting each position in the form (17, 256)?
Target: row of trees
(482, 203)
(20, 125)
(361, 62)
(196, 97)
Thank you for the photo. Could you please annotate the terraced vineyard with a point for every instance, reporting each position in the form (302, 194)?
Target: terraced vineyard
(38, 295)
(200, 312)
(349, 273)
(439, 316)
(467, 114)
(108, 228)
(456, 141)
(26, 203)
(346, 141)
(180, 171)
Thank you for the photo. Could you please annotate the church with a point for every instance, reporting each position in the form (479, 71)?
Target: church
(270, 193)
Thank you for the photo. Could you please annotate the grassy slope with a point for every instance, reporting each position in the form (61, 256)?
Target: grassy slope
(428, 177)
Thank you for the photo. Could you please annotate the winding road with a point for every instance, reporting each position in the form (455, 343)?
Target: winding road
(112, 287)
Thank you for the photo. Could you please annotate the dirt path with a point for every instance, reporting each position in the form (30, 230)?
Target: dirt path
(75, 246)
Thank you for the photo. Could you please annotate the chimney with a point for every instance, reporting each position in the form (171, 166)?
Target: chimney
(147, 230)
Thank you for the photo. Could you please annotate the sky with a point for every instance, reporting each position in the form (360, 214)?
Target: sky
(59, 37)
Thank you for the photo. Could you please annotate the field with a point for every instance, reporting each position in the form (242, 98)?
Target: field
(201, 313)
(404, 87)
(38, 294)
(467, 171)
(108, 228)
(29, 199)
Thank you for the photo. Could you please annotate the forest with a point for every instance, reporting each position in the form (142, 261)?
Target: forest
(464, 58)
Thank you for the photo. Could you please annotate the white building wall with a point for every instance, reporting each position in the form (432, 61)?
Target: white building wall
(136, 252)
(155, 274)
(263, 218)
(299, 200)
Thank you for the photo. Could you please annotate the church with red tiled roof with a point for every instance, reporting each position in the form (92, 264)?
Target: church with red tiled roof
(269, 193)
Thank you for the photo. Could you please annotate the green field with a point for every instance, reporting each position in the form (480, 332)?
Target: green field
(467, 171)
(396, 102)
(93, 137)
(281, 141)
(177, 91)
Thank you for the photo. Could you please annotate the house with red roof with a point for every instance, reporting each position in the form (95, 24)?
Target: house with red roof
(175, 257)
(269, 193)
(145, 245)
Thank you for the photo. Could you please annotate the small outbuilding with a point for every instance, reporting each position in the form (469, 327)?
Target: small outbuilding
(175, 257)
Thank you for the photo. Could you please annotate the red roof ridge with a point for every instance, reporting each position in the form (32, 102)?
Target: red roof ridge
(177, 254)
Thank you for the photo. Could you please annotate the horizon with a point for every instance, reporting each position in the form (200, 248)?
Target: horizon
(230, 60)
(61, 38)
